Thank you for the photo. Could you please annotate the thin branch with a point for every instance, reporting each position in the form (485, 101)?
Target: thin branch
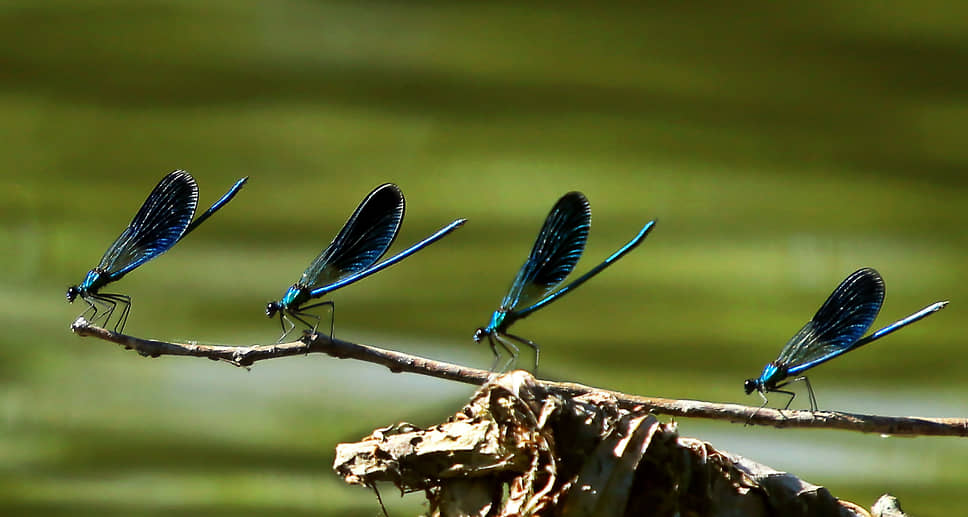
(397, 362)
(246, 356)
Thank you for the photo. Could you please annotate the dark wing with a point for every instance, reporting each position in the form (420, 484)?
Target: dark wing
(555, 253)
(840, 322)
(159, 224)
(365, 237)
(349, 279)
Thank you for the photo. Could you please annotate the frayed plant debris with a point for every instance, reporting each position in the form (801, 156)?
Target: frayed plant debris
(517, 450)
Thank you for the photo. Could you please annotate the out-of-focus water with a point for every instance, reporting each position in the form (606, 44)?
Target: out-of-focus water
(781, 147)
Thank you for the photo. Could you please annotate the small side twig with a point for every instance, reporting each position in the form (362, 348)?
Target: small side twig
(397, 362)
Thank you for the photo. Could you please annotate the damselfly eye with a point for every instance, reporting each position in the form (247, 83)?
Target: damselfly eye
(272, 308)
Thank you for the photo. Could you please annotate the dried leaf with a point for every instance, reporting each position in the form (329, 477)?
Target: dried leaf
(516, 450)
(604, 484)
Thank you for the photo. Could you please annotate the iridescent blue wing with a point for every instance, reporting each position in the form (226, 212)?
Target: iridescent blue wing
(619, 253)
(838, 325)
(159, 224)
(557, 249)
(365, 237)
(349, 279)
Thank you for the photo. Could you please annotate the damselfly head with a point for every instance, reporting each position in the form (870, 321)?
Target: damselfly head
(72, 293)
(479, 334)
(272, 308)
(751, 385)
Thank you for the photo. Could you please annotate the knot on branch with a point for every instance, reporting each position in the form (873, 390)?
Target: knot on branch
(518, 449)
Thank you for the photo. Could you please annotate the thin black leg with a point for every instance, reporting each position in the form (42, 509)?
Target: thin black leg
(805, 380)
(107, 303)
(790, 393)
(497, 355)
(91, 308)
(332, 312)
(282, 322)
(511, 349)
(763, 405)
(125, 302)
(775, 390)
(813, 399)
(298, 317)
(533, 345)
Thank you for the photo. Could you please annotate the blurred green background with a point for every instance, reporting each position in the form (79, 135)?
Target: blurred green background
(781, 147)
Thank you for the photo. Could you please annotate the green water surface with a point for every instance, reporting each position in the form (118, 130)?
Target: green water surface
(781, 146)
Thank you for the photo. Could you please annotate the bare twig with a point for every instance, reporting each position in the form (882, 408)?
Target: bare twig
(246, 356)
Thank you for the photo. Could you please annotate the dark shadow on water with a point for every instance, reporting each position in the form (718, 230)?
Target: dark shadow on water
(96, 451)
(216, 509)
(818, 94)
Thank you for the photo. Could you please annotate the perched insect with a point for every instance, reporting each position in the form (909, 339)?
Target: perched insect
(836, 329)
(560, 244)
(164, 219)
(352, 256)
